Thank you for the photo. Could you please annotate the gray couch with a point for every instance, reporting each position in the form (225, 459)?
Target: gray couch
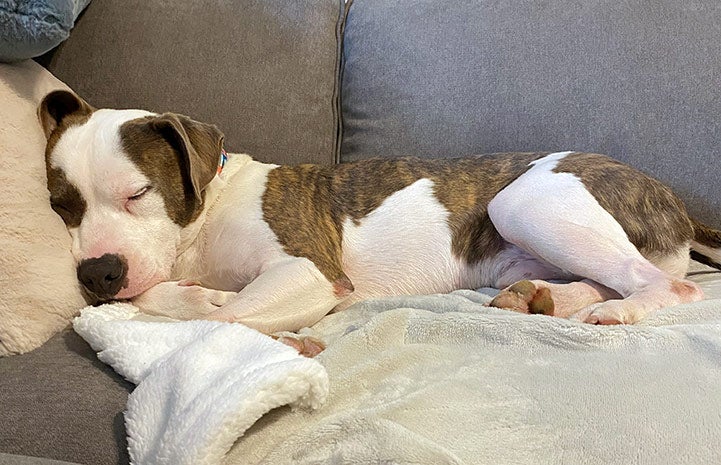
(323, 82)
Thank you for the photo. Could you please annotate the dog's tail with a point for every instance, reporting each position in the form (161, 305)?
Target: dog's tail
(706, 245)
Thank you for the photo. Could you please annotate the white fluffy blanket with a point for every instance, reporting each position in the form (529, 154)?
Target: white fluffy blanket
(200, 384)
(445, 380)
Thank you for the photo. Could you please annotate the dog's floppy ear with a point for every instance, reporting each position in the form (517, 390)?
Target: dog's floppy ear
(57, 106)
(199, 143)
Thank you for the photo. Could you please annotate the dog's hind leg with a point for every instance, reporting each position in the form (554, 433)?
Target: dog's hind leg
(553, 299)
(524, 280)
(554, 217)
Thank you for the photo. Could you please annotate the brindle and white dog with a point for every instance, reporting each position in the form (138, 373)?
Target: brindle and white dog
(153, 219)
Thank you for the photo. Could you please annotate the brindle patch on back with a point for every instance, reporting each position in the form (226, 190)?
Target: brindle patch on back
(297, 207)
(306, 205)
(164, 166)
(654, 219)
(465, 187)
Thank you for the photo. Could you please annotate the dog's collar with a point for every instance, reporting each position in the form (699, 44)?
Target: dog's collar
(222, 161)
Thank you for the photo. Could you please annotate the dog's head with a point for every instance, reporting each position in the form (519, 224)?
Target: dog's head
(126, 183)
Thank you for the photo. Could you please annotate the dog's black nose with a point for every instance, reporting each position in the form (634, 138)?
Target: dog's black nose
(104, 276)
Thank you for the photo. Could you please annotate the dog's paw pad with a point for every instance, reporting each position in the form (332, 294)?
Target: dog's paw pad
(542, 302)
(525, 297)
(312, 347)
(305, 345)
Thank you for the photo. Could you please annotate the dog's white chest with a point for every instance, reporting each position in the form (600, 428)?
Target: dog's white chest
(236, 244)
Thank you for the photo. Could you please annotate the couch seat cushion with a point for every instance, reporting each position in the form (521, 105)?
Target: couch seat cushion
(61, 402)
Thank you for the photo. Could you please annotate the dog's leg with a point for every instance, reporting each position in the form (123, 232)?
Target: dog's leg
(554, 217)
(181, 300)
(523, 279)
(307, 346)
(556, 299)
(288, 296)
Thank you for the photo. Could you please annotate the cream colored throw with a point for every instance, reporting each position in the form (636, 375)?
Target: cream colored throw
(445, 380)
(39, 292)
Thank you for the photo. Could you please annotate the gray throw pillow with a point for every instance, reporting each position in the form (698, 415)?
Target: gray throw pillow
(637, 80)
(29, 28)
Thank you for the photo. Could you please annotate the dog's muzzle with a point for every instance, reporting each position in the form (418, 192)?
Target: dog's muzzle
(103, 277)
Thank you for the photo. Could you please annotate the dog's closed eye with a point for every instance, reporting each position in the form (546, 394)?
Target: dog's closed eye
(133, 203)
(139, 194)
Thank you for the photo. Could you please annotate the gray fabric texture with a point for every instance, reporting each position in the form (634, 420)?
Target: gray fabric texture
(60, 402)
(636, 80)
(12, 459)
(264, 72)
(29, 28)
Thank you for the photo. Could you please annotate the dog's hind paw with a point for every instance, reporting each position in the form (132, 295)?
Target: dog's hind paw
(525, 297)
(608, 313)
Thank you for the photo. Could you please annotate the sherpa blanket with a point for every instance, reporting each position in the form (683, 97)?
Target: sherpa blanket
(200, 384)
(445, 380)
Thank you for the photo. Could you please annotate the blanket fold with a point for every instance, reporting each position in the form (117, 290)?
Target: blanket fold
(200, 384)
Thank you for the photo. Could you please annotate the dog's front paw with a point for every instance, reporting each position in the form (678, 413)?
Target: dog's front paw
(306, 346)
(182, 300)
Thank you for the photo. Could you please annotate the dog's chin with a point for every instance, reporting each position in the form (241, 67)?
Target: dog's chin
(93, 299)
(127, 294)
(134, 290)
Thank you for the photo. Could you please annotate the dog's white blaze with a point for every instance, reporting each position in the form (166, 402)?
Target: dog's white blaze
(403, 246)
(92, 158)
(84, 150)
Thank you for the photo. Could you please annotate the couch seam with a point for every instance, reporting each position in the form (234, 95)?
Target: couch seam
(340, 67)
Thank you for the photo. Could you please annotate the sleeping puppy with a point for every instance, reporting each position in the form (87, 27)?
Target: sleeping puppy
(159, 215)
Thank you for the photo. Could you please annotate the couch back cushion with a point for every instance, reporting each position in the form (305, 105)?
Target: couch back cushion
(264, 72)
(636, 80)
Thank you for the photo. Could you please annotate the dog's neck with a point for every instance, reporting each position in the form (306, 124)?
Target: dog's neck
(231, 165)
